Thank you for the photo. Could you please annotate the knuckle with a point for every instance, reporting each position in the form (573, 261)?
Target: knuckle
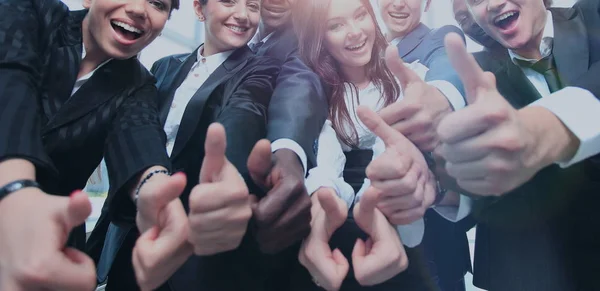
(240, 193)
(497, 114)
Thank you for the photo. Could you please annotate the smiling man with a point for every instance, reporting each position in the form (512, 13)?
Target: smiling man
(541, 232)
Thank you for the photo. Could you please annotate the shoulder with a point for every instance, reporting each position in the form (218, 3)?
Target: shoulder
(263, 64)
(438, 34)
(49, 13)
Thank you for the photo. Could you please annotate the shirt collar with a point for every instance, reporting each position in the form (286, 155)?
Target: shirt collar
(545, 44)
(256, 38)
(214, 61)
(89, 75)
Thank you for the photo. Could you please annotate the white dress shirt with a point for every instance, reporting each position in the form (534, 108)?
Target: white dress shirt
(198, 74)
(283, 143)
(577, 108)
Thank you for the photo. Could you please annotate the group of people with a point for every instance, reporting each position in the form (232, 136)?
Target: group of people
(301, 146)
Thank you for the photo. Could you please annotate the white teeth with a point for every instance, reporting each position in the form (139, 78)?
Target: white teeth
(356, 47)
(126, 26)
(504, 16)
(237, 28)
(398, 15)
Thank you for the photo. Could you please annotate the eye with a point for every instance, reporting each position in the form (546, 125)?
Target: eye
(361, 15)
(160, 5)
(255, 7)
(227, 2)
(334, 26)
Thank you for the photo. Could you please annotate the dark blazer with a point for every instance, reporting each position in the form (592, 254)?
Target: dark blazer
(114, 114)
(545, 234)
(236, 95)
(298, 106)
(445, 243)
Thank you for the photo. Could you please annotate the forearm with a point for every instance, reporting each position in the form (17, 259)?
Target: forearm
(16, 169)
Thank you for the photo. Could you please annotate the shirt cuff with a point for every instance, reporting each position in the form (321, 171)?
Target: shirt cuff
(286, 143)
(578, 109)
(453, 213)
(457, 101)
(411, 235)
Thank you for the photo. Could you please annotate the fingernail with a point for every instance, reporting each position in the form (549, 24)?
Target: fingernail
(74, 193)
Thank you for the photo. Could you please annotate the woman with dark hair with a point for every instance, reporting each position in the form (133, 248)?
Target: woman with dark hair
(221, 81)
(341, 42)
(71, 92)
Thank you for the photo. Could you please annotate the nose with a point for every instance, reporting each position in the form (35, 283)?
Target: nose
(354, 31)
(136, 8)
(241, 12)
(399, 3)
(495, 5)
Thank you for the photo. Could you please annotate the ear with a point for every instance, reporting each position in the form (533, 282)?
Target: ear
(199, 10)
(87, 4)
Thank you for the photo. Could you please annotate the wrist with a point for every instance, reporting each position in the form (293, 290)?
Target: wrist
(145, 178)
(290, 159)
(551, 140)
(16, 169)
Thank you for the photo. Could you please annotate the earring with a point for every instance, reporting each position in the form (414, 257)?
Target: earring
(201, 18)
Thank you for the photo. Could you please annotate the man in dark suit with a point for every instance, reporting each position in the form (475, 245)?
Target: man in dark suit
(71, 91)
(445, 242)
(297, 111)
(541, 232)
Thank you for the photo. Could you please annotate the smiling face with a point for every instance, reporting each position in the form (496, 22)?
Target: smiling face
(276, 13)
(120, 29)
(350, 33)
(400, 16)
(229, 24)
(516, 24)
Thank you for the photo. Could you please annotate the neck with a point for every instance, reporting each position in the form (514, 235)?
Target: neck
(208, 50)
(356, 76)
(264, 30)
(94, 56)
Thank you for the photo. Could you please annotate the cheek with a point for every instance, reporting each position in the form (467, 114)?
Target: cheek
(334, 44)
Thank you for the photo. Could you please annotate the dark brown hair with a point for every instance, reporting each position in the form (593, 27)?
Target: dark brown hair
(310, 23)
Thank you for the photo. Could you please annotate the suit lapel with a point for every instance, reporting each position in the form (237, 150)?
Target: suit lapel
(571, 47)
(195, 108)
(105, 83)
(176, 73)
(412, 40)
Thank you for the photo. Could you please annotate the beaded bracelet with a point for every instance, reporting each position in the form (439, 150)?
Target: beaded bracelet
(137, 190)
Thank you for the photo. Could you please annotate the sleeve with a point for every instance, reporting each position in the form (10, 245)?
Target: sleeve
(441, 74)
(20, 124)
(135, 142)
(298, 107)
(330, 166)
(244, 115)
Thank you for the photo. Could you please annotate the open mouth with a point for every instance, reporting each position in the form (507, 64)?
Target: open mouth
(506, 20)
(357, 47)
(127, 31)
(237, 29)
(276, 9)
(398, 15)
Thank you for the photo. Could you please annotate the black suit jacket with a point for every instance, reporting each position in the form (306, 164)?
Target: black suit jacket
(545, 234)
(298, 106)
(114, 114)
(236, 95)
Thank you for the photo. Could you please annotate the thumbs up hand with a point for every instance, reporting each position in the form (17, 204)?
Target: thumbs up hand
(382, 256)
(327, 268)
(34, 229)
(220, 206)
(417, 115)
(489, 147)
(400, 174)
(163, 246)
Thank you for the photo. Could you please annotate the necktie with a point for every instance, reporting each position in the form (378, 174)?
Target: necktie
(547, 67)
(256, 46)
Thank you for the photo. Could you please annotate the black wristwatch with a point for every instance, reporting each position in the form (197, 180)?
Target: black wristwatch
(16, 186)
